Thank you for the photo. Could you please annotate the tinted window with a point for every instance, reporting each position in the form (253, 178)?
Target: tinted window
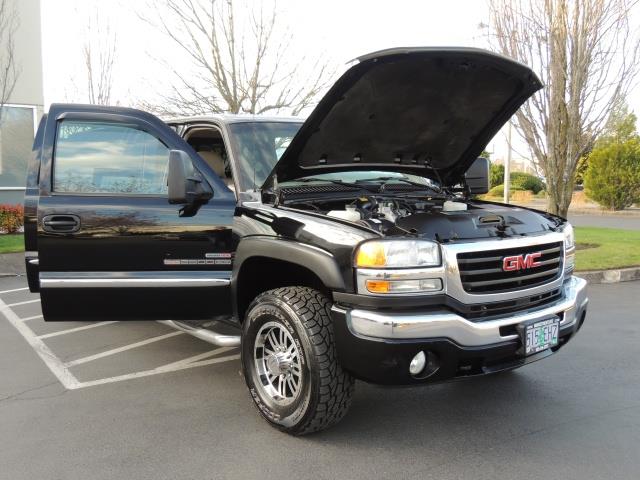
(257, 146)
(109, 158)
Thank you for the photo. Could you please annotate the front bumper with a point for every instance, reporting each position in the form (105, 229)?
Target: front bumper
(377, 346)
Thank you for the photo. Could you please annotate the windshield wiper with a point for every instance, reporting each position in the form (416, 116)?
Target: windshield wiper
(336, 182)
(386, 180)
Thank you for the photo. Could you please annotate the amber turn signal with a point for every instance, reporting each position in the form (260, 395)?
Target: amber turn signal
(378, 286)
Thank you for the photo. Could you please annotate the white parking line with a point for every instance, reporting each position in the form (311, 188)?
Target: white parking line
(23, 303)
(197, 358)
(14, 290)
(62, 370)
(156, 371)
(54, 363)
(108, 353)
(77, 329)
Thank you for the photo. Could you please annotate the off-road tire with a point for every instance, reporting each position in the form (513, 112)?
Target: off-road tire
(326, 389)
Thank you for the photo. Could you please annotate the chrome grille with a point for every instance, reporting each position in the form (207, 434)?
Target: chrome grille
(481, 272)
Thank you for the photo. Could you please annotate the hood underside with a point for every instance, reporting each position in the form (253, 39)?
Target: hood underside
(411, 110)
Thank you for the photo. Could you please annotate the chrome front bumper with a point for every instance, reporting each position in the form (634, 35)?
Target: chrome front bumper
(446, 324)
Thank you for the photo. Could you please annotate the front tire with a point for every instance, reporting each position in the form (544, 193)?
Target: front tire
(289, 361)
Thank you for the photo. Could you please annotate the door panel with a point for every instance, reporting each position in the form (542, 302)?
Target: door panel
(110, 245)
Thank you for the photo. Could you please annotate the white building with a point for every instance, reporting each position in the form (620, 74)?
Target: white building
(24, 107)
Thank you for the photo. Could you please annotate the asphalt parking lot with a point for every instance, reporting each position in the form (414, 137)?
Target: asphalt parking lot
(138, 400)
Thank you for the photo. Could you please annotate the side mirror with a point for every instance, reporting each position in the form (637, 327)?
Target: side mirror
(477, 176)
(186, 185)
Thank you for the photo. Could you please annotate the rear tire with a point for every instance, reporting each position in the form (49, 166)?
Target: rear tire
(289, 361)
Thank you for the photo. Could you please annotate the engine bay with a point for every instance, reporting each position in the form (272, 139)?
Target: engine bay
(442, 219)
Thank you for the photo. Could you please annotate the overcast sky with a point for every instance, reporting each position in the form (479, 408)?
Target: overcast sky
(339, 29)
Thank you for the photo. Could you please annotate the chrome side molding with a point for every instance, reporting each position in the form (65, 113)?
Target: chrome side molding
(134, 279)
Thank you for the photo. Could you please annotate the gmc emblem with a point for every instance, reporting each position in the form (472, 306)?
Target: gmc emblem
(521, 262)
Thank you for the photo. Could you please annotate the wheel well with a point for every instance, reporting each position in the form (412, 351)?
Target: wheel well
(259, 274)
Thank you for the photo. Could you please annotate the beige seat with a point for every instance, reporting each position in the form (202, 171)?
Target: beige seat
(214, 160)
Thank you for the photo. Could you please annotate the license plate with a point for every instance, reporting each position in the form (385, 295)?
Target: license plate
(540, 335)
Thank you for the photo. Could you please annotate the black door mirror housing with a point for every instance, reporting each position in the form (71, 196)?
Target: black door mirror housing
(186, 185)
(476, 177)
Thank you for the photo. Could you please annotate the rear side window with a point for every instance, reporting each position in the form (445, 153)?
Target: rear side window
(93, 157)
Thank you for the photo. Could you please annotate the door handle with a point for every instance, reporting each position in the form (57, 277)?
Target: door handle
(61, 223)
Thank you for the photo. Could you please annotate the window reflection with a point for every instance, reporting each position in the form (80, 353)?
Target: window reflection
(257, 147)
(93, 157)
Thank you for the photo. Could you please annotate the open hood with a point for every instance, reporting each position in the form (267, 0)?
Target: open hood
(411, 110)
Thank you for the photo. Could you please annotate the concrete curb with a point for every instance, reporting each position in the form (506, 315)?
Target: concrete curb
(611, 276)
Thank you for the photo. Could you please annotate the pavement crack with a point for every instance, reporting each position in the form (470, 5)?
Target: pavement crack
(33, 389)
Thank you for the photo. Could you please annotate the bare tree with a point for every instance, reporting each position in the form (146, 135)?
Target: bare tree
(240, 61)
(99, 54)
(9, 69)
(587, 56)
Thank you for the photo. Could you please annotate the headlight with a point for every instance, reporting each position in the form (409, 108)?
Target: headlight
(398, 254)
(569, 237)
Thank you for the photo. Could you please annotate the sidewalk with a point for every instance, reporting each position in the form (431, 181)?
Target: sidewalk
(11, 264)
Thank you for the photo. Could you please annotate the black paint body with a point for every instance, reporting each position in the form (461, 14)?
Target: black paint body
(268, 245)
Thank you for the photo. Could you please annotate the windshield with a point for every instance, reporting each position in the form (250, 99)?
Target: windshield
(362, 176)
(257, 146)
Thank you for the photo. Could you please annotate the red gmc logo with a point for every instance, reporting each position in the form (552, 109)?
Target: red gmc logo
(521, 262)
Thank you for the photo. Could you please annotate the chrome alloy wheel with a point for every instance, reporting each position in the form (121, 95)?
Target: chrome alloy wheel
(277, 362)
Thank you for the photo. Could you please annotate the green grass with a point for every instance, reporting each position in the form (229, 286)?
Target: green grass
(605, 248)
(11, 243)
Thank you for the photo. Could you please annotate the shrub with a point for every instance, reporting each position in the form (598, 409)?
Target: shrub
(11, 218)
(613, 176)
(519, 180)
(578, 198)
(496, 175)
(498, 190)
(522, 196)
(526, 181)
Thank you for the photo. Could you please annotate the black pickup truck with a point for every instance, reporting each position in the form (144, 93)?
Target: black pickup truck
(348, 246)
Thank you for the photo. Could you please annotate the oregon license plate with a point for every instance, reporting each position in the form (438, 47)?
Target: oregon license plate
(540, 335)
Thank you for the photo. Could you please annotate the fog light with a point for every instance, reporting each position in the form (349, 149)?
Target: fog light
(417, 363)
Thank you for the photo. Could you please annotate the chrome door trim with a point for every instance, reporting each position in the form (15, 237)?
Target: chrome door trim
(155, 279)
